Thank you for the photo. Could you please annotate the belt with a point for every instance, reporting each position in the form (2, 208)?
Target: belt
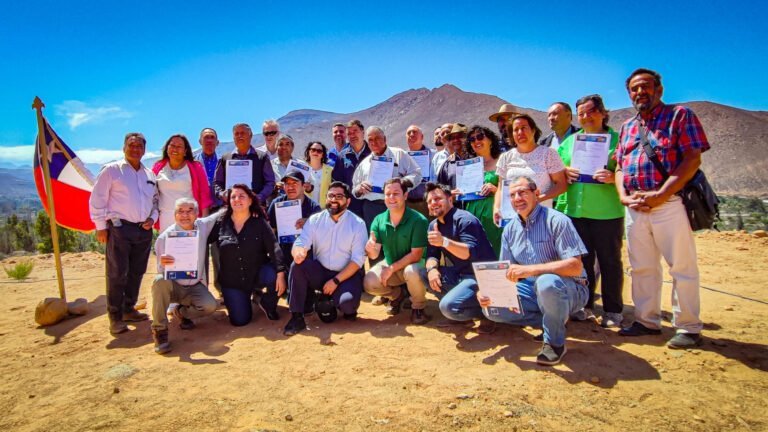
(127, 222)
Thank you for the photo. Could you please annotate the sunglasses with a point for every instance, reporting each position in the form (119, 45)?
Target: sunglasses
(270, 133)
(316, 150)
(478, 137)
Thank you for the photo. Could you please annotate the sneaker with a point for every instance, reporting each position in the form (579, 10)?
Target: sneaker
(419, 317)
(295, 325)
(585, 314)
(117, 327)
(162, 345)
(134, 316)
(394, 305)
(550, 355)
(271, 313)
(637, 329)
(379, 300)
(486, 326)
(612, 320)
(684, 340)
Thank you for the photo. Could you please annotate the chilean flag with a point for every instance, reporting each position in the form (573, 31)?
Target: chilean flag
(71, 183)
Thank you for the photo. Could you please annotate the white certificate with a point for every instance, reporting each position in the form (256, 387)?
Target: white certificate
(492, 282)
(286, 215)
(590, 153)
(182, 246)
(469, 178)
(382, 168)
(422, 159)
(238, 172)
(507, 211)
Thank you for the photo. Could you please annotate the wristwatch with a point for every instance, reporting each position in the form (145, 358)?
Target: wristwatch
(445, 242)
(336, 281)
(431, 268)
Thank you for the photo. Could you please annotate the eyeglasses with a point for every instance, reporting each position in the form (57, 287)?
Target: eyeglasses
(336, 197)
(316, 150)
(270, 133)
(478, 137)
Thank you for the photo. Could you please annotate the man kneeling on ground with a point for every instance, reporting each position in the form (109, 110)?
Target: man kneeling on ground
(192, 295)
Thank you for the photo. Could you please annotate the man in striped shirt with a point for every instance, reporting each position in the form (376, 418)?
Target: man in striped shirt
(544, 251)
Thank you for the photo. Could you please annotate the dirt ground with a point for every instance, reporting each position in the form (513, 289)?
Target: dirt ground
(381, 373)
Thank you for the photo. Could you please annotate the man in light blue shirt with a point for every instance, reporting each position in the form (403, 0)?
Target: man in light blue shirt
(337, 239)
(544, 251)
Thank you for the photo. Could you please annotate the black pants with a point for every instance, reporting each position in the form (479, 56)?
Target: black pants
(128, 248)
(310, 275)
(602, 239)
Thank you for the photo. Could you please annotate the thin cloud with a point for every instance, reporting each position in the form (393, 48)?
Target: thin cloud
(79, 113)
(22, 155)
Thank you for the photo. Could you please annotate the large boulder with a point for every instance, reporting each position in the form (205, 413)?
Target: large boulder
(50, 311)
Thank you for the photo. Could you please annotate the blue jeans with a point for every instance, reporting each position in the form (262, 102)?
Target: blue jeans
(458, 302)
(238, 301)
(547, 302)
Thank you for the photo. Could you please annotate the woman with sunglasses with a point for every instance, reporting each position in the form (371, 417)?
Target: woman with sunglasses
(179, 175)
(484, 143)
(542, 164)
(316, 155)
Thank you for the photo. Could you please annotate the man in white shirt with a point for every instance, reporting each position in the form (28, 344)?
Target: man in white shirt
(337, 239)
(123, 206)
(270, 129)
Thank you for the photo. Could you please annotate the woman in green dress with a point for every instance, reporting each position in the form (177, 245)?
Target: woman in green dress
(483, 142)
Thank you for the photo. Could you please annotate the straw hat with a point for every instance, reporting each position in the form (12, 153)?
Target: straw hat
(506, 109)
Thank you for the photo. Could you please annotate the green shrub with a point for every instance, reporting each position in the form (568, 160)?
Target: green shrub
(20, 271)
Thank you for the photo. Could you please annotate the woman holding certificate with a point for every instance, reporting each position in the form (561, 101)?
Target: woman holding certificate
(316, 155)
(542, 164)
(593, 204)
(179, 175)
(484, 143)
(250, 257)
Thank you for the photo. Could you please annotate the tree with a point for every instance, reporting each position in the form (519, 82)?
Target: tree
(67, 238)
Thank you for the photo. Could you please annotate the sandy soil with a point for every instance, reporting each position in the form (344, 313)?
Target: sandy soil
(382, 373)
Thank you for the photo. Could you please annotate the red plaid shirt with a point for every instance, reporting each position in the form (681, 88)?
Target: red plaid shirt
(673, 129)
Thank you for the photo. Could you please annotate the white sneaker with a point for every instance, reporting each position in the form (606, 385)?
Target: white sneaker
(612, 320)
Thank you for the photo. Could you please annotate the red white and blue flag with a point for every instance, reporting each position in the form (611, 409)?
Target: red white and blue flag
(71, 183)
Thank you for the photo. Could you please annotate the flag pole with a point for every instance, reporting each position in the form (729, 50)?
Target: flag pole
(38, 105)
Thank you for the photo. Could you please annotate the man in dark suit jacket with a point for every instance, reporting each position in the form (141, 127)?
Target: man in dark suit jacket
(559, 116)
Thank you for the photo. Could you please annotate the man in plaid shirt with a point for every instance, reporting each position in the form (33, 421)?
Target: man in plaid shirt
(656, 221)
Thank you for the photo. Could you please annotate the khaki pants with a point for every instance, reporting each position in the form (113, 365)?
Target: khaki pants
(410, 276)
(195, 300)
(663, 232)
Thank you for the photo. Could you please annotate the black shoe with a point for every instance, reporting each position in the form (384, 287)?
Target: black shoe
(550, 355)
(270, 312)
(684, 341)
(394, 306)
(187, 324)
(351, 317)
(419, 317)
(295, 325)
(160, 338)
(637, 329)
(117, 327)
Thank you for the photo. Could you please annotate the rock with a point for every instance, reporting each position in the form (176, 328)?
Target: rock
(116, 390)
(50, 311)
(78, 307)
(451, 405)
(595, 380)
(288, 417)
(509, 414)
(729, 308)
(759, 234)
(464, 396)
(698, 419)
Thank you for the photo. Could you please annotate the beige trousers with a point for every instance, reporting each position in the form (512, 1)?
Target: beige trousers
(409, 276)
(195, 300)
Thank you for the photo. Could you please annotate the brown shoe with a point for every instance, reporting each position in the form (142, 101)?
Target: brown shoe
(117, 327)
(486, 326)
(162, 345)
(134, 316)
(419, 317)
(393, 308)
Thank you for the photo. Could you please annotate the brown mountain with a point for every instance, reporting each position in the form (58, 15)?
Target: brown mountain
(734, 165)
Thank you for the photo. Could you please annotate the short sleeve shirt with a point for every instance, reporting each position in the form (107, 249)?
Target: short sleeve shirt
(397, 242)
(538, 164)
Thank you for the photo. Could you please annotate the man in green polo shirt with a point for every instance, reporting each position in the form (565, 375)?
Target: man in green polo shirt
(402, 235)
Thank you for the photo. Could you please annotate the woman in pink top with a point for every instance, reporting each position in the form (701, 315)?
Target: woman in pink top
(179, 175)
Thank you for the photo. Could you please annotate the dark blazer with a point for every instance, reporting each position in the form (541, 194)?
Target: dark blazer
(547, 140)
(262, 180)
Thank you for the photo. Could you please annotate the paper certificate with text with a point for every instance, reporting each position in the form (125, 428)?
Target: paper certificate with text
(469, 179)
(286, 215)
(238, 172)
(507, 211)
(492, 282)
(421, 157)
(590, 153)
(182, 246)
(382, 168)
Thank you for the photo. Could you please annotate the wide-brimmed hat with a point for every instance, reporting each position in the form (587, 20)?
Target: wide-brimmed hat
(458, 128)
(506, 109)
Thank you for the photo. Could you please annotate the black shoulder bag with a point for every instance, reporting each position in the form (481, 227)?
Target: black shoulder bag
(701, 202)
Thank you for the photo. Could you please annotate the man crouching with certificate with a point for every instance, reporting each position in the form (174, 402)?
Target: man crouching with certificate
(181, 278)
(543, 250)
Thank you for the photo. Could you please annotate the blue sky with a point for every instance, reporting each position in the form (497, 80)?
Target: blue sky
(106, 68)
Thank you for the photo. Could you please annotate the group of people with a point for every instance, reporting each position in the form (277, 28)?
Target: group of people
(418, 231)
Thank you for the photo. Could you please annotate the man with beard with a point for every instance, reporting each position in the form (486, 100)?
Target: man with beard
(337, 239)
(455, 147)
(656, 220)
(559, 117)
(506, 112)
